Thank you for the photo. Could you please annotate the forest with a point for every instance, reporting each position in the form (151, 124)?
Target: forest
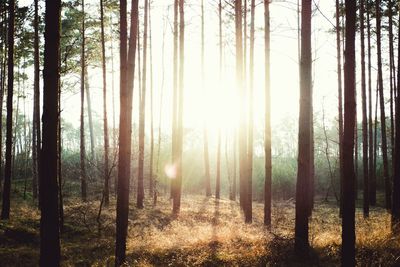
(200, 133)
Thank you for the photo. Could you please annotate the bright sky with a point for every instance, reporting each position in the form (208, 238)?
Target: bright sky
(220, 106)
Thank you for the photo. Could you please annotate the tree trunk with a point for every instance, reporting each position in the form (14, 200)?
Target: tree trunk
(392, 78)
(142, 112)
(340, 101)
(105, 120)
(382, 109)
(174, 98)
(36, 108)
(348, 218)
(218, 170)
(5, 211)
(151, 178)
(267, 134)
(49, 221)
(364, 115)
(82, 129)
(177, 195)
(89, 111)
(371, 193)
(304, 156)
(205, 133)
(127, 70)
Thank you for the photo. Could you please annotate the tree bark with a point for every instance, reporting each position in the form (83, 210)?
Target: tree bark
(267, 134)
(127, 70)
(5, 211)
(82, 129)
(382, 109)
(364, 115)
(304, 156)
(142, 112)
(49, 221)
(348, 218)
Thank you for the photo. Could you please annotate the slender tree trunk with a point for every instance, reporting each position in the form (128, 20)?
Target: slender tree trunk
(151, 178)
(364, 114)
(175, 98)
(142, 112)
(251, 114)
(340, 100)
(382, 107)
(82, 130)
(267, 134)
(371, 174)
(304, 156)
(396, 177)
(89, 111)
(127, 70)
(3, 63)
(36, 108)
(5, 211)
(218, 170)
(59, 162)
(105, 120)
(205, 133)
(177, 196)
(49, 221)
(348, 219)
(392, 79)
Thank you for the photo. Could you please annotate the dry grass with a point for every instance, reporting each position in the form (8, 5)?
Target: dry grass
(206, 233)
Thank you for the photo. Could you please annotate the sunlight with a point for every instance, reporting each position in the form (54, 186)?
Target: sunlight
(170, 170)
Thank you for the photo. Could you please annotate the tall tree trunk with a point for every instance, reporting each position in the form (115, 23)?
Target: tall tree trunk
(177, 196)
(218, 170)
(49, 221)
(364, 115)
(3, 63)
(36, 107)
(127, 70)
(5, 211)
(59, 163)
(382, 109)
(89, 111)
(392, 79)
(251, 113)
(82, 130)
(396, 177)
(151, 178)
(340, 101)
(205, 133)
(242, 117)
(175, 97)
(304, 156)
(142, 112)
(348, 218)
(267, 134)
(371, 174)
(105, 120)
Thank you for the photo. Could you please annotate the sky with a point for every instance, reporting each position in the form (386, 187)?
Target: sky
(217, 102)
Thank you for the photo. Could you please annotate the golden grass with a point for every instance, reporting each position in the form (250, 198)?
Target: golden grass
(207, 232)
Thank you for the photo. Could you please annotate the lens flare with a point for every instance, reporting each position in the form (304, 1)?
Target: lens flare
(170, 171)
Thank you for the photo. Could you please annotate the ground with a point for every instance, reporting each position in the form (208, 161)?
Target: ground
(207, 232)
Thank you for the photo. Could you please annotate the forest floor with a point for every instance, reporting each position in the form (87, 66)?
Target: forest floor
(206, 233)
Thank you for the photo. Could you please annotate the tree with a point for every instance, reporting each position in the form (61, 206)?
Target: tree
(382, 108)
(396, 176)
(205, 133)
(142, 110)
(304, 154)
(179, 128)
(127, 69)
(348, 217)
(340, 100)
(36, 107)
(105, 121)
(364, 115)
(49, 220)
(82, 129)
(5, 211)
(267, 134)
